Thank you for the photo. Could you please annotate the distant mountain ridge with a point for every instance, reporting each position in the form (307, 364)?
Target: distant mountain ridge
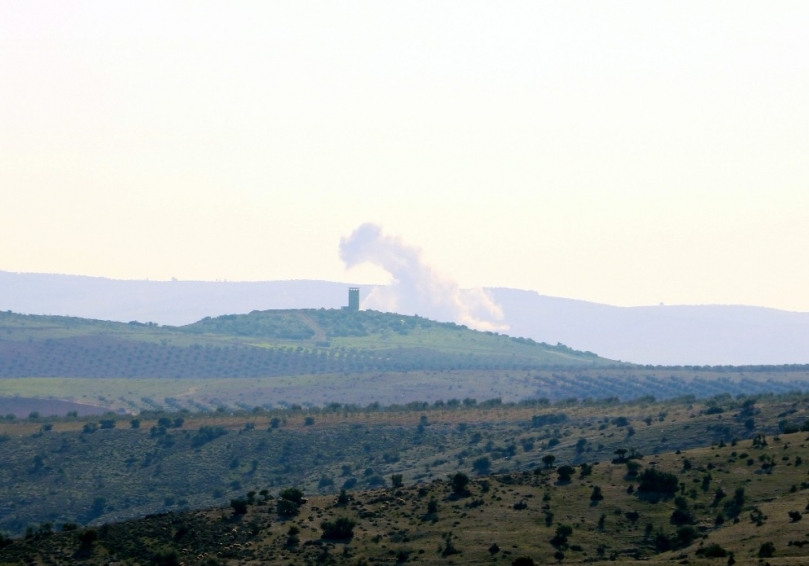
(665, 335)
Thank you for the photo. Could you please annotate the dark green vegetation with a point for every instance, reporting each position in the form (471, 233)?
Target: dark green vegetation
(72, 470)
(734, 497)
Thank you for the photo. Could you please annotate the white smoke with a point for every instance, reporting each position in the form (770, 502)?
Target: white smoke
(416, 287)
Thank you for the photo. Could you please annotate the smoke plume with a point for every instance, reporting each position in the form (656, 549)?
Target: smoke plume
(416, 287)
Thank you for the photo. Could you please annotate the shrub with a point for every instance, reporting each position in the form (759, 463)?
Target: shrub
(766, 550)
(396, 480)
(795, 516)
(655, 481)
(560, 538)
(596, 495)
(460, 483)
(712, 551)
(207, 434)
(289, 502)
(166, 557)
(565, 472)
(87, 538)
(239, 506)
(341, 528)
(292, 494)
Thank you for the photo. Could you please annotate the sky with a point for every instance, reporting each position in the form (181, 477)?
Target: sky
(628, 153)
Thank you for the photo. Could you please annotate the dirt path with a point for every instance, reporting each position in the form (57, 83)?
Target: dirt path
(320, 334)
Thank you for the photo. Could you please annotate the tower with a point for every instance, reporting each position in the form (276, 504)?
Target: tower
(354, 299)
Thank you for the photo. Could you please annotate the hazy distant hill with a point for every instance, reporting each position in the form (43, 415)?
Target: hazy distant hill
(688, 335)
(669, 335)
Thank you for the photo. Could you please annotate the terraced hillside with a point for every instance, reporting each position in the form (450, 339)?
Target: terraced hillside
(262, 344)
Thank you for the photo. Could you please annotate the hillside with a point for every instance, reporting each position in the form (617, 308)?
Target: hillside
(619, 482)
(674, 334)
(262, 343)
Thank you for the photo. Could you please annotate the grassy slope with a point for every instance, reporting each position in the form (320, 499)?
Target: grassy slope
(56, 475)
(394, 523)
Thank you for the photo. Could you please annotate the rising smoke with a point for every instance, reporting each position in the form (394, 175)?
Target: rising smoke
(416, 287)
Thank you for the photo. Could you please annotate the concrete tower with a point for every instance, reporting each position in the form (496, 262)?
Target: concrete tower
(354, 299)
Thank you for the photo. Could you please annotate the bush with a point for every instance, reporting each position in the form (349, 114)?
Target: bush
(292, 494)
(166, 557)
(766, 550)
(207, 434)
(239, 506)
(712, 551)
(565, 472)
(460, 481)
(560, 538)
(339, 529)
(654, 481)
(289, 502)
(596, 495)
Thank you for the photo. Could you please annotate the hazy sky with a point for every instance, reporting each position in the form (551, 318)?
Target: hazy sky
(620, 152)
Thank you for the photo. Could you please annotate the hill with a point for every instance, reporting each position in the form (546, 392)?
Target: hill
(262, 343)
(679, 335)
(620, 482)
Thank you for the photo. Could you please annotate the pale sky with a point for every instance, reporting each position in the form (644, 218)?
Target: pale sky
(619, 152)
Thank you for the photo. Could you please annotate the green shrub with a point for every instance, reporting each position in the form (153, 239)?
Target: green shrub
(655, 481)
(341, 528)
(166, 557)
(712, 551)
(239, 506)
(766, 550)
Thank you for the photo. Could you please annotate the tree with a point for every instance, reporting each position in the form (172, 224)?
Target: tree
(460, 483)
(239, 506)
(289, 502)
(565, 472)
(766, 550)
(596, 495)
(340, 529)
(655, 481)
(548, 460)
(560, 538)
